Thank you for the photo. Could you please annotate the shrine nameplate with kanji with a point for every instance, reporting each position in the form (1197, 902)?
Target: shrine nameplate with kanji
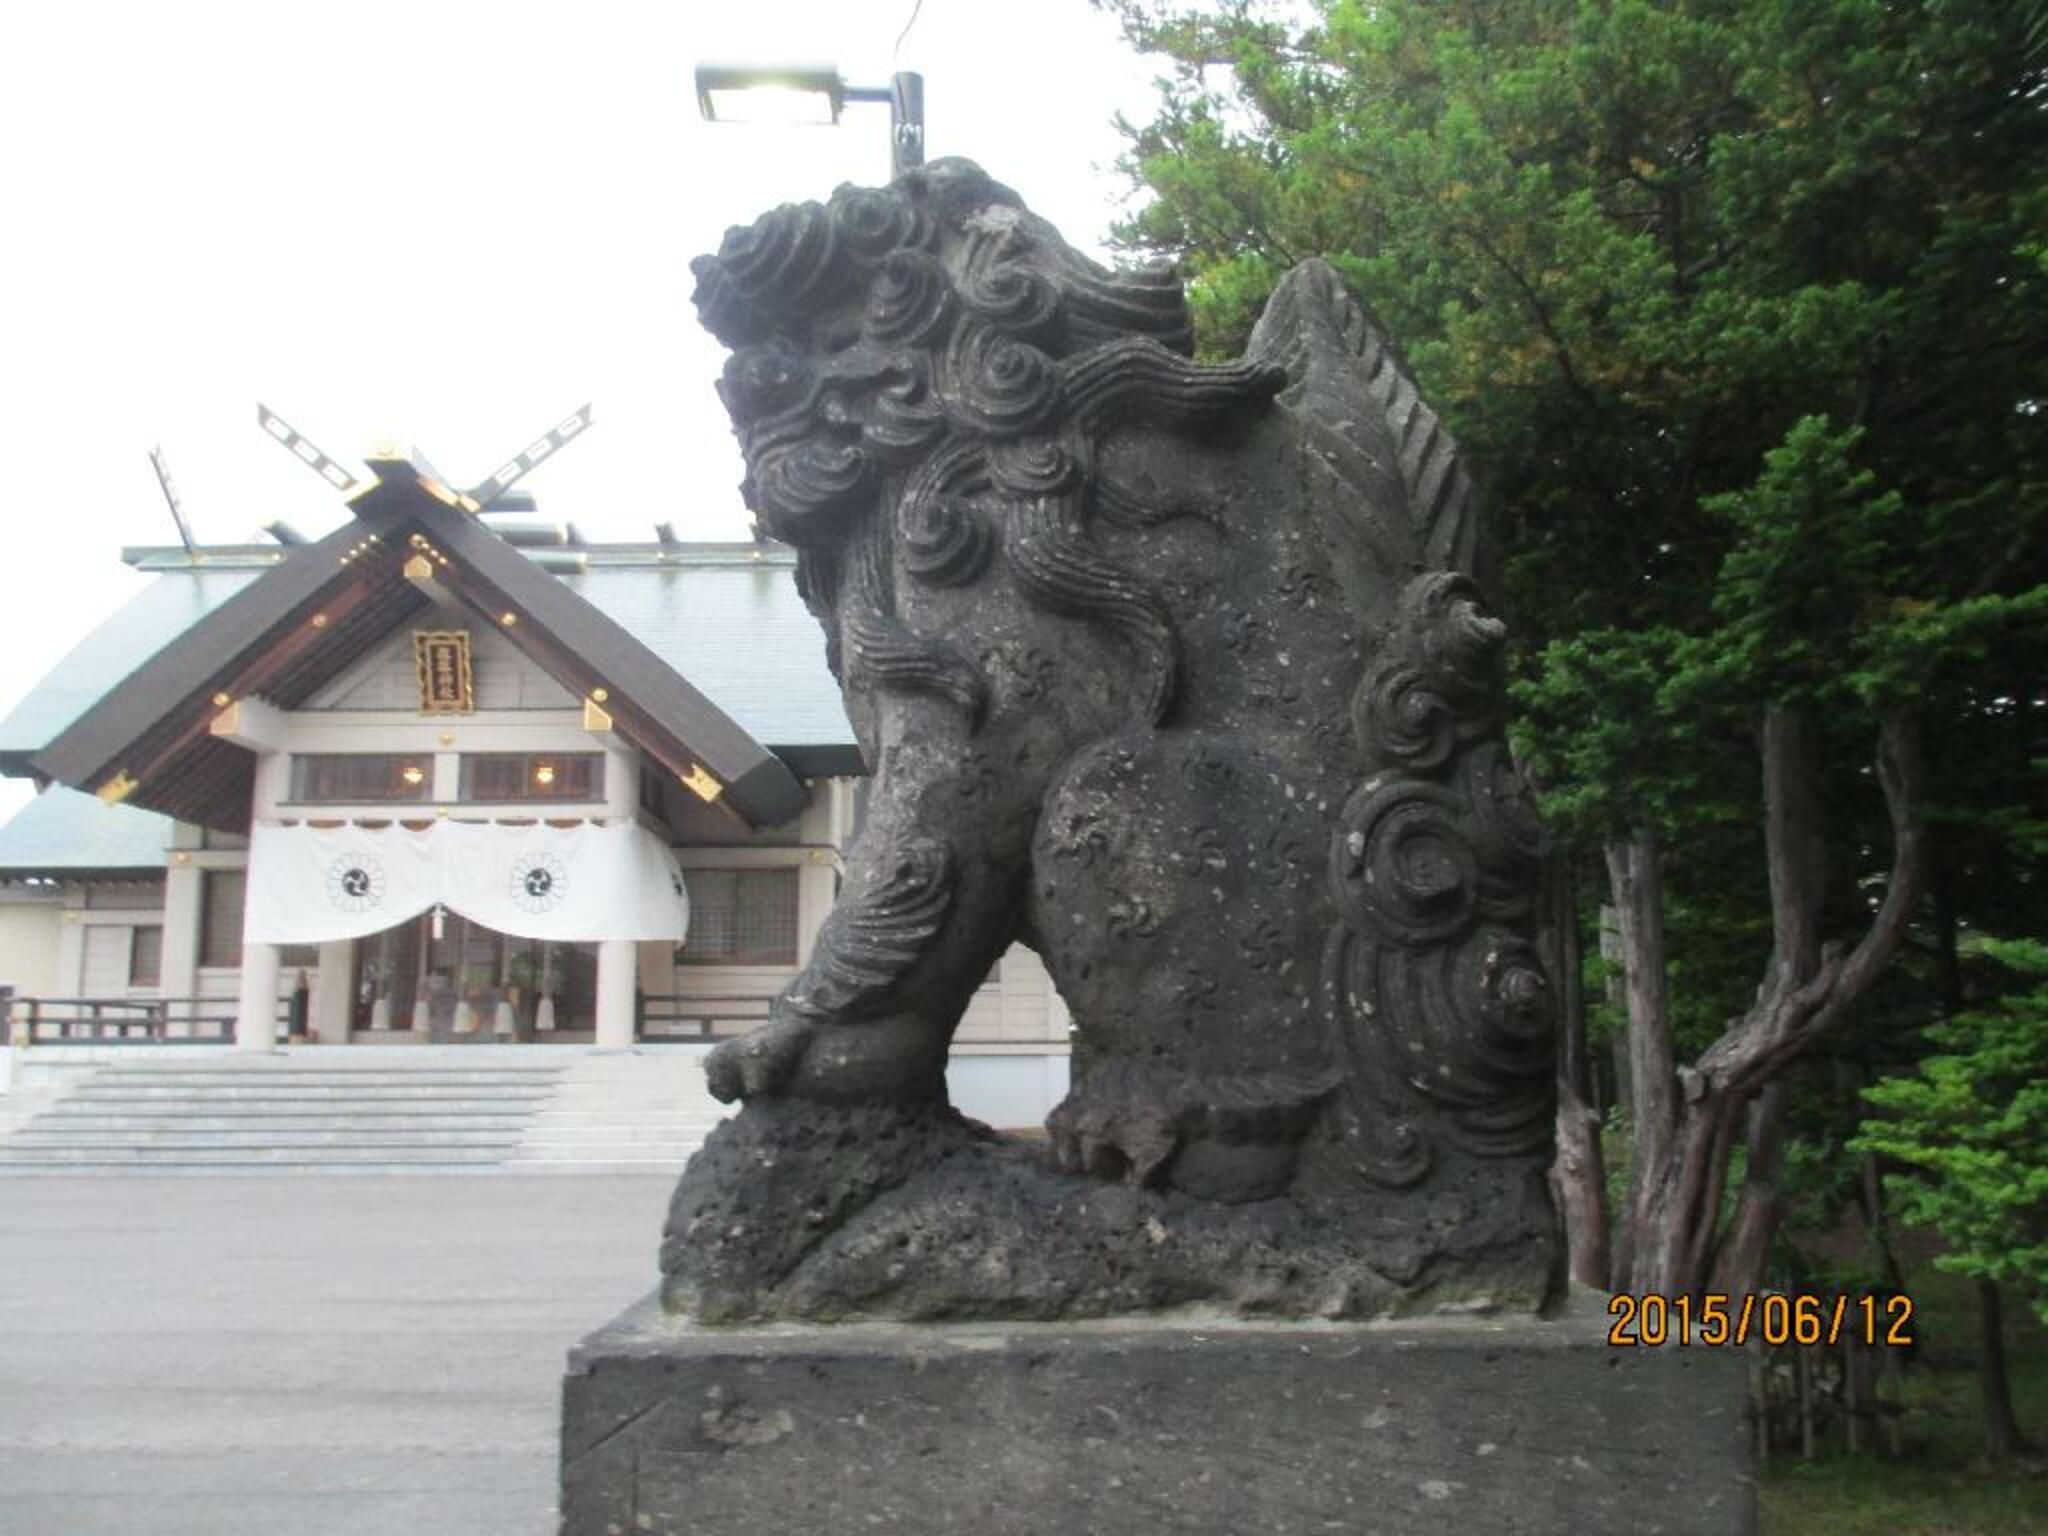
(447, 683)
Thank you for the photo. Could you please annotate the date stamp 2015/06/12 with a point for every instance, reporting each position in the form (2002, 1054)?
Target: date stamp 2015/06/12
(1714, 1319)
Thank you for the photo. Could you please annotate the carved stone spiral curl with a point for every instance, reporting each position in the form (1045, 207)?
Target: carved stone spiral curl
(946, 542)
(1469, 1028)
(790, 253)
(911, 303)
(871, 222)
(1006, 292)
(805, 491)
(1402, 864)
(998, 385)
(1449, 630)
(759, 382)
(1375, 1137)
(1400, 719)
(943, 539)
(1039, 466)
(903, 417)
(1500, 978)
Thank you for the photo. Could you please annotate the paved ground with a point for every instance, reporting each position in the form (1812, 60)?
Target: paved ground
(315, 1355)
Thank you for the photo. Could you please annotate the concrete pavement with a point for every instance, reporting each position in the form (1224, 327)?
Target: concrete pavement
(320, 1356)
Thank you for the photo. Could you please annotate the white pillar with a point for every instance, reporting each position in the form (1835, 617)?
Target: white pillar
(333, 992)
(71, 952)
(256, 1004)
(179, 975)
(618, 963)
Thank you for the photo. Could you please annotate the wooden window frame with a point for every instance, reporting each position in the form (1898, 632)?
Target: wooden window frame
(397, 790)
(590, 793)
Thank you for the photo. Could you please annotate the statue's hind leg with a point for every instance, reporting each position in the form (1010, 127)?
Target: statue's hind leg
(1194, 981)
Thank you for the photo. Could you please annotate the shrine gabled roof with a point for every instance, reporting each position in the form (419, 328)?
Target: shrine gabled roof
(171, 604)
(706, 651)
(62, 831)
(726, 616)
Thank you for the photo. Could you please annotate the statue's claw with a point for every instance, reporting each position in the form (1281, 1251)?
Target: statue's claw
(758, 1065)
(1109, 1141)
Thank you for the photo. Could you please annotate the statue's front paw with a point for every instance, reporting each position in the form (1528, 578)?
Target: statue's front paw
(758, 1065)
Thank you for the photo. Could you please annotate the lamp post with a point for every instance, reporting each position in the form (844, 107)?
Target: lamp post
(813, 93)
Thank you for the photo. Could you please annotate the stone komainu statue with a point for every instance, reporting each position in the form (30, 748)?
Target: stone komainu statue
(1181, 675)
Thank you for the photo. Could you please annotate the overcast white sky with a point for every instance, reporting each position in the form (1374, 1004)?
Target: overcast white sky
(449, 222)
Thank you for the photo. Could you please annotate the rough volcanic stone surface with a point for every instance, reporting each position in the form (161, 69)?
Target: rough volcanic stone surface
(923, 1215)
(1186, 676)
(1407, 1429)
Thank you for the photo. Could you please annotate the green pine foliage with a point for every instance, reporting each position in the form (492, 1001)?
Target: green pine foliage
(1739, 311)
(1646, 255)
(1972, 1126)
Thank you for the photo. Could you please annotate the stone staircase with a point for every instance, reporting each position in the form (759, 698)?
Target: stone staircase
(425, 1110)
(621, 1113)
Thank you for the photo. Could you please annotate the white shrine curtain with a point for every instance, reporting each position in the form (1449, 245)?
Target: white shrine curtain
(310, 885)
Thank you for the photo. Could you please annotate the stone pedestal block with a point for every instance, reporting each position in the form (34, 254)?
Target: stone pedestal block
(1147, 1426)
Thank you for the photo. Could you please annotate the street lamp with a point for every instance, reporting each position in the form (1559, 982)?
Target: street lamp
(813, 93)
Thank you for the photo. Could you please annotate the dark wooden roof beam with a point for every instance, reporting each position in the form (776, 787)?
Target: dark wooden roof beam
(156, 748)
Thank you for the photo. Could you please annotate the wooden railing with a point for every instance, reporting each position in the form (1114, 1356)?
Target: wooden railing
(129, 1020)
(695, 1016)
(211, 1020)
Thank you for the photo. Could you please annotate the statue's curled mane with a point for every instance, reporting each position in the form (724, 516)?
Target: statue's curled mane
(933, 353)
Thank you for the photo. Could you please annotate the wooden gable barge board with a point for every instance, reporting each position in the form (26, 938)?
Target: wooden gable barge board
(182, 673)
(758, 785)
(256, 669)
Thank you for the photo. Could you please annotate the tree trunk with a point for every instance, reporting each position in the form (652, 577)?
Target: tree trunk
(1802, 1370)
(1578, 1181)
(1876, 1219)
(2002, 1440)
(1618, 1043)
(1559, 938)
(1577, 1177)
(1635, 878)
(1739, 1261)
(1686, 1120)
(1854, 1401)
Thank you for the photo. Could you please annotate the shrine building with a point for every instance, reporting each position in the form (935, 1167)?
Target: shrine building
(446, 777)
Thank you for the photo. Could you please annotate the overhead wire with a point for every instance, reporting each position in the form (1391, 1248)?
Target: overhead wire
(898, 49)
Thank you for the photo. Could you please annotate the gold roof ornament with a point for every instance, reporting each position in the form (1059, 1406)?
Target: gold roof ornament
(117, 789)
(701, 782)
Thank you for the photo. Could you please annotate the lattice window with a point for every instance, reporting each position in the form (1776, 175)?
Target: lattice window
(501, 776)
(741, 917)
(361, 777)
